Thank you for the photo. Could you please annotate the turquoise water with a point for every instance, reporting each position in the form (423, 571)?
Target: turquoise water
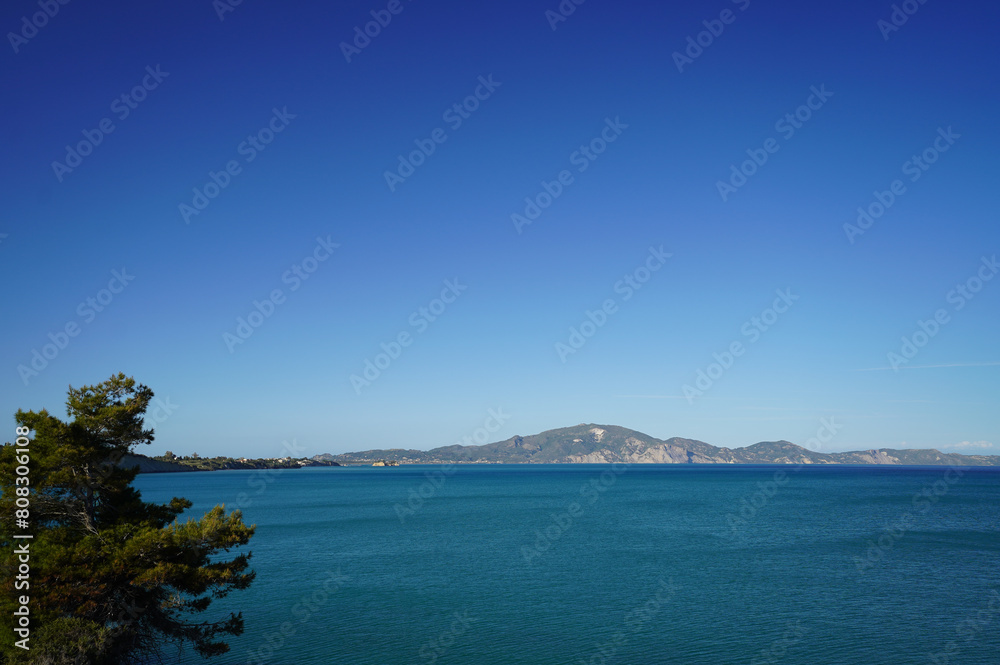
(598, 564)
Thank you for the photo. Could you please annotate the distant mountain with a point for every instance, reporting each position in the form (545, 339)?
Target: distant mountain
(613, 444)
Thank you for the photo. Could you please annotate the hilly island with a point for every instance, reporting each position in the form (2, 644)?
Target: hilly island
(612, 444)
(582, 444)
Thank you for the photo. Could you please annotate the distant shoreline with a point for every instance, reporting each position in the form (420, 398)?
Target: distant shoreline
(148, 464)
(181, 468)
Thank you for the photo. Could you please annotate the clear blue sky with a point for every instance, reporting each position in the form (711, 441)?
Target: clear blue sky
(207, 85)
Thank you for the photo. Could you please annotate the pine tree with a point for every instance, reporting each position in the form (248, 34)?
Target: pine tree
(113, 579)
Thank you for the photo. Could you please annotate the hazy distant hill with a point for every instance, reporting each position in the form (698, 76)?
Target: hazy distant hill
(610, 443)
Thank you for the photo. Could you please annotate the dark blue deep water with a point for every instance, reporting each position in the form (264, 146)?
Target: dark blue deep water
(595, 564)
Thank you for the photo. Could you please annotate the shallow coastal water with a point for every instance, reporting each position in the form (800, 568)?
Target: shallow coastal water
(597, 564)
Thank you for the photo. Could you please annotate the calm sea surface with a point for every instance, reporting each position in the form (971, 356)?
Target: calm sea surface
(598, 564)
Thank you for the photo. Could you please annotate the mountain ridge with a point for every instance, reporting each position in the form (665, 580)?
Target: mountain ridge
(592, 443)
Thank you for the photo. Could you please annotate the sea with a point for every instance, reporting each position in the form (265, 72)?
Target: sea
(601, 564)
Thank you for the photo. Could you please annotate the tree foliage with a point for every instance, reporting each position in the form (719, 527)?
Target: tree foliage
(113, 578)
